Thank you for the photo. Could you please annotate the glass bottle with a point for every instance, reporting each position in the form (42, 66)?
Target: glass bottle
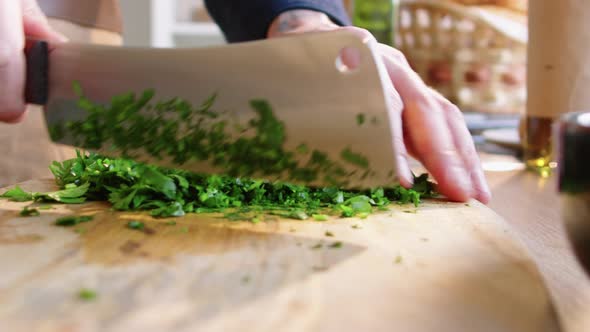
(556, 73)
(377, 16)
(572, 138)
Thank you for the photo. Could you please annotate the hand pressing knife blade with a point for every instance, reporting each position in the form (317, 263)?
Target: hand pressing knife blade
(283, 109)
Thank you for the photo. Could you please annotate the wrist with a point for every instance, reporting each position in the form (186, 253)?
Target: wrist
(300, 21)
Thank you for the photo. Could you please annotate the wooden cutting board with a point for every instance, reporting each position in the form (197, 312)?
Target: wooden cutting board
(442, 267)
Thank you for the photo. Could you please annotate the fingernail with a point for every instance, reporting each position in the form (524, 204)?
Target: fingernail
(484, 193)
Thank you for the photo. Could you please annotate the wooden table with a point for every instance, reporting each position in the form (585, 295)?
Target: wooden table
(531, 205)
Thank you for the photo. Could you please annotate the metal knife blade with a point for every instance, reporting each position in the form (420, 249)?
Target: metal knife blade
(341, 116)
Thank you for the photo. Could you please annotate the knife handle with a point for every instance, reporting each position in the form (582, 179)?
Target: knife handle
(37, 72)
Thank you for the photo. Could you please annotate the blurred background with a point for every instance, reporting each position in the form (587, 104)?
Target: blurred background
(168, 23)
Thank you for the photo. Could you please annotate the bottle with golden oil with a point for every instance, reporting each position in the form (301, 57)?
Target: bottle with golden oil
(557, 73)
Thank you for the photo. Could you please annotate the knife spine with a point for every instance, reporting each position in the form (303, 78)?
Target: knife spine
(37, 73)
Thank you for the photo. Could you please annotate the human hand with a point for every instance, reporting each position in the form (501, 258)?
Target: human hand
(425, 124)
(18, 18)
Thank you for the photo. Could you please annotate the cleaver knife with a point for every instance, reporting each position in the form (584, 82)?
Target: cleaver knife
(336, 120)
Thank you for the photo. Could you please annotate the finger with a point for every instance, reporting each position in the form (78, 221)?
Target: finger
(36, 25)
(12, 66)
(435, 149)
(464, 144)
(428, 131)
(404, 173)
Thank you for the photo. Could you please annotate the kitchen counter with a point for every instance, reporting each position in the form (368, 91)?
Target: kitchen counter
(477, 271)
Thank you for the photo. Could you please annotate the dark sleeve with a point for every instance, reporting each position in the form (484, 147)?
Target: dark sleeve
(244, 20)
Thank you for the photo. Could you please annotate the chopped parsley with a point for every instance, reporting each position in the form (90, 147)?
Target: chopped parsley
(188, 133)
(360, 119)
(133, 186)
(320, 217)
(336, 245)
(70, 194)
(87, 294)
(317, 246)
(136, 225)
(29, 212)
(130, 185)
(70, 221)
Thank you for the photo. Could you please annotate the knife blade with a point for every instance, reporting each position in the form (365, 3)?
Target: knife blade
(325, 126)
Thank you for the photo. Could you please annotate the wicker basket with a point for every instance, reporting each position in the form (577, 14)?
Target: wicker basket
(474, 55)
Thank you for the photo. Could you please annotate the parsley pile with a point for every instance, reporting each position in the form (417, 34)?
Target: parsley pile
(174, 130)
(133, 186)
(185, 133)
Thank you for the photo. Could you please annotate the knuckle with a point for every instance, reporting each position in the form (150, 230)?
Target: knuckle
(453, 111)
(362, 33)
(470, 155)
(448, 157)
(397, 54)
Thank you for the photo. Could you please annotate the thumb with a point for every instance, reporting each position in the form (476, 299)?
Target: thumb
(35, 23)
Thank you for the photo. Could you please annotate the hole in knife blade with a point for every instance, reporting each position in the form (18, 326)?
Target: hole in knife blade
(348, 60)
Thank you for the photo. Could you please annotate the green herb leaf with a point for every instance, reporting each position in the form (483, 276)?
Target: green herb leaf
(16, 194)
(72, 194)
(27, 212)
(136, 225)
(320, 217)
(72, 220)
(317, 246)
(87, 294)
(336, 245)
(360, 119)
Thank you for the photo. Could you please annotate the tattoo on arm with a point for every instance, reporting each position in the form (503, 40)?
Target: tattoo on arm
(298, 18)
(290, 20)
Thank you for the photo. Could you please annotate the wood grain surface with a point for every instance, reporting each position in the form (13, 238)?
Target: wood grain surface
(531, 206)
(446, 267)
